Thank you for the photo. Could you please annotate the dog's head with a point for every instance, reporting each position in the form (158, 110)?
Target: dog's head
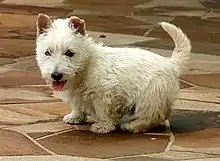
(62, 49)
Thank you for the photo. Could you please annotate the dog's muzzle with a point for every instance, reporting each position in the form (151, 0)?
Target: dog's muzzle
(58, 84)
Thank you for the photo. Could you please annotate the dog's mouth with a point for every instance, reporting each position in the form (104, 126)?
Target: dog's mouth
(58, 85)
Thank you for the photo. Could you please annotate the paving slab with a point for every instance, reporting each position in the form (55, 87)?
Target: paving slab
(33, 10)
(11, 144)
(179, 155)
(140, 158)
(46, 158)
(17, 20)
(19, 95)
(207, 159)
(172, 3)
(4, 61)
(48, 3)
(201, 94)
(205, 80)
(87, 144)
(45, 128)
(32, 119)
(193, 131)
(195, 105)
(122, 39)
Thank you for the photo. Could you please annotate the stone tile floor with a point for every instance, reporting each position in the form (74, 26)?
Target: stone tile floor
(30, 118)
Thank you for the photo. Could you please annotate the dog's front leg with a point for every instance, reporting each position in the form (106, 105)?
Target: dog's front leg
(76, 115)
(106, 123)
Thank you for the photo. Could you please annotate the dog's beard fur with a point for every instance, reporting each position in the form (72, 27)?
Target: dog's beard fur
(126, 87)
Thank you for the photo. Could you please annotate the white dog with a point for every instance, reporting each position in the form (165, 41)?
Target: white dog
(126, 87)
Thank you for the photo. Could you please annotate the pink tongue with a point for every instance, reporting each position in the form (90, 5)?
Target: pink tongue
(58, 86)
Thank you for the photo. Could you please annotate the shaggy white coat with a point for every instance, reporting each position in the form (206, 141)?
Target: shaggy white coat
(126, 87)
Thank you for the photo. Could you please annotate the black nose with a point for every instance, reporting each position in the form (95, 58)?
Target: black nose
(57, 76)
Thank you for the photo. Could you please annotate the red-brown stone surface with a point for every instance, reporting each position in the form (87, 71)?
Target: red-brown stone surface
(31, 119)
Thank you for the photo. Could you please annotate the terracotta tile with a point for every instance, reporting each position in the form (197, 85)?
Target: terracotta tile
(39, 129)
(50, 3)
(18, 114)
(7, 79)
(179, 155)
(14, 48)
(141, 158)
(205, 80)
(27, 63)
(47, 158)
(171, 11)
(195, 129)
(33, 10)
(106, 7)
(122, 25)
(19, 95)
(210, 4)
(164, 42)
(196, 106)
(199, 139)
(209, 29)
(56, 108)
(24, 33)
(11, 143)
(207, 159)
(172, 4)
(201, 63)
(113, 39)
(45, 89)
(85, 143)
(32, 112)
(201, 94)
(17, 20)
(213, 15)
(4, 61)
(186, 121)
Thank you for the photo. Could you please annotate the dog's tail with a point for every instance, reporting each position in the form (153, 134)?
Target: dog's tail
(182, 51)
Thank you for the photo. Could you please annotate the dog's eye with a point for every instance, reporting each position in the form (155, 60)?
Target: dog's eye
(69, 53)
(48, 53)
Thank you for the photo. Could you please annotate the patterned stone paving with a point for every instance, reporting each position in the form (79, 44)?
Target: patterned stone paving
(30, 118)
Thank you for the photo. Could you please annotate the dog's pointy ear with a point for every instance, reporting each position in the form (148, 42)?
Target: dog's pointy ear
(43, 23)
(77, 24)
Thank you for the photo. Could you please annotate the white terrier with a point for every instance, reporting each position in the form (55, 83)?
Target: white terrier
(126, 87)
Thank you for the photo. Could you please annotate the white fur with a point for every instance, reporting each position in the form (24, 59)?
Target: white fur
(128, 87)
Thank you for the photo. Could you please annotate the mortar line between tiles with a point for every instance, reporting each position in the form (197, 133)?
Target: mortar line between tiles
(38, 144)
(204, 16)
(197, 152)
(157, 134)
(37, 85)
(172, 137)
(54, 134)
(156, 26)
(188, 83)
(129, 156)
(194, 100)
(20, 103)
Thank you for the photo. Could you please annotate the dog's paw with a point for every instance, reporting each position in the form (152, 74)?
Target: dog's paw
(73, 119)
(127, 127)
(102, 127)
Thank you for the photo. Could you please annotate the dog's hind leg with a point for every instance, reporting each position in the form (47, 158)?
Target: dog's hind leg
(151, 111)
(140, 125)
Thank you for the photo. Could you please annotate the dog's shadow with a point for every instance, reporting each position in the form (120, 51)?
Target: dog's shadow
(186, 121)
